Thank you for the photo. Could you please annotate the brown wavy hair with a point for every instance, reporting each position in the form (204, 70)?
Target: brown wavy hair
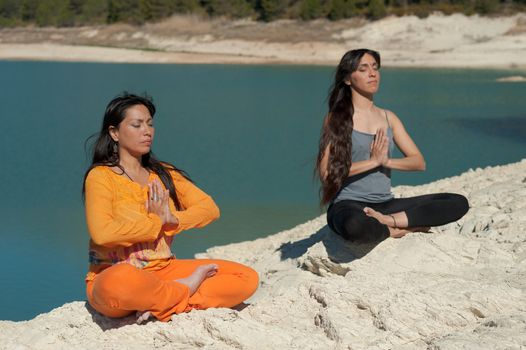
(338, 126)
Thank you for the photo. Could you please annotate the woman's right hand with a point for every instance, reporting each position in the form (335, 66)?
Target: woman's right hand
(158, 203)
(380, 147)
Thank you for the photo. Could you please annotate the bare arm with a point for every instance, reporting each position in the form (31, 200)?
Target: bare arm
(379, 150)
(413, 159)
(362, 166)
(356, 167)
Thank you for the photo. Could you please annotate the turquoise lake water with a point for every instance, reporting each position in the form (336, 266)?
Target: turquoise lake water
(246, 134)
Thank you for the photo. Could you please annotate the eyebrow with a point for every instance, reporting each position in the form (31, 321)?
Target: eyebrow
(140, 119)
(366, 64)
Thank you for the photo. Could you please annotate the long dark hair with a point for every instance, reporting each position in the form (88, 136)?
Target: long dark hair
(105, 149)
(338, 126)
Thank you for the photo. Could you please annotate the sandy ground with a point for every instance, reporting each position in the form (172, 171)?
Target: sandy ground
(436, 41)
(462, 286)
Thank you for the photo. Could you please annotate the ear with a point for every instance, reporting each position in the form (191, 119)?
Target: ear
(114, 133)
(347, 82)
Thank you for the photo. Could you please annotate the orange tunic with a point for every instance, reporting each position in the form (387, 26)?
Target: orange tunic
(122, 230)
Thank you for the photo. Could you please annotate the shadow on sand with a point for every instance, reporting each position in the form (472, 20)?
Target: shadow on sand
(106, 323)
(338, 250)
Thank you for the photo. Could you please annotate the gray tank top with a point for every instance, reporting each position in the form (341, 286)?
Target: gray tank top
(373, 186)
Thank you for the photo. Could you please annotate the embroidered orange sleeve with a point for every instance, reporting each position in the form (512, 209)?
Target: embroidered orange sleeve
(199, 208)
(111, 228)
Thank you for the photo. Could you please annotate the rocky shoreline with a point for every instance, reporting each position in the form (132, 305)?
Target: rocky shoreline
(462, 286)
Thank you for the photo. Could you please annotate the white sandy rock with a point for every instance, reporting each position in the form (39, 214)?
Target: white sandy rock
(436, 41)
(459, 287)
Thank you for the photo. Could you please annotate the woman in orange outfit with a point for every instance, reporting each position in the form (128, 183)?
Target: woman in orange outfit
(135, 204)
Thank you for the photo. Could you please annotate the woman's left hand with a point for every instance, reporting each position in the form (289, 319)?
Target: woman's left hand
(380, 148)
(158, 202)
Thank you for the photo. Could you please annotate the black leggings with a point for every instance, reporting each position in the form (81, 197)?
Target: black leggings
(348, 219)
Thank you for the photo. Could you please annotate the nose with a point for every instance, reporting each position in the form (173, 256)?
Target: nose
(148, 130)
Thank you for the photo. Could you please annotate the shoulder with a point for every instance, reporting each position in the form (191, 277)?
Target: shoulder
(99, 172)
(99, 180)
(393, 119)
(176, 175)
(391, 116)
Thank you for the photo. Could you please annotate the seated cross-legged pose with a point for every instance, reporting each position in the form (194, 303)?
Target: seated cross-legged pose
(135, 204)
(354, 162)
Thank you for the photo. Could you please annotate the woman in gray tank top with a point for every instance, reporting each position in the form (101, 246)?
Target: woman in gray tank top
(354, 161)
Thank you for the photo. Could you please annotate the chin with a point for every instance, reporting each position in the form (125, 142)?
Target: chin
(143, 151)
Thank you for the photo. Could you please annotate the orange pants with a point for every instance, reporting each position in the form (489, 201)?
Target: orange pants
(123, 289)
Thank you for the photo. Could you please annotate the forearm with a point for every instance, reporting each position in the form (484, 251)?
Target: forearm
(199, 209)
(124, 232)
(409, 163)
(363, 166)
(198, 215)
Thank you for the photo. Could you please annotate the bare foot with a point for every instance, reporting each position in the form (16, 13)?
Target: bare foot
(395, 232)
(143, 317)
(383, 219)
(387, 220)
(200, 274)
(193, 282)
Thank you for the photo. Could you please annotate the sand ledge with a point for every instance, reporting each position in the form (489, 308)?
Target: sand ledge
(462, 286)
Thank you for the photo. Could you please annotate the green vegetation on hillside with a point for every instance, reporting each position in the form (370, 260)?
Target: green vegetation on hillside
(63, 13)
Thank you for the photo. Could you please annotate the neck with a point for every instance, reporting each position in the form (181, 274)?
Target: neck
(129, 162)
(362, 102)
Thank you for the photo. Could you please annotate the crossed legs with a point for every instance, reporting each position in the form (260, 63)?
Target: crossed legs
(180, 286)
(369, 222)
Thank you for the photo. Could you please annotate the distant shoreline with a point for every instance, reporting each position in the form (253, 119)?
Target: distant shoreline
(95, 54)
(438, 41)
